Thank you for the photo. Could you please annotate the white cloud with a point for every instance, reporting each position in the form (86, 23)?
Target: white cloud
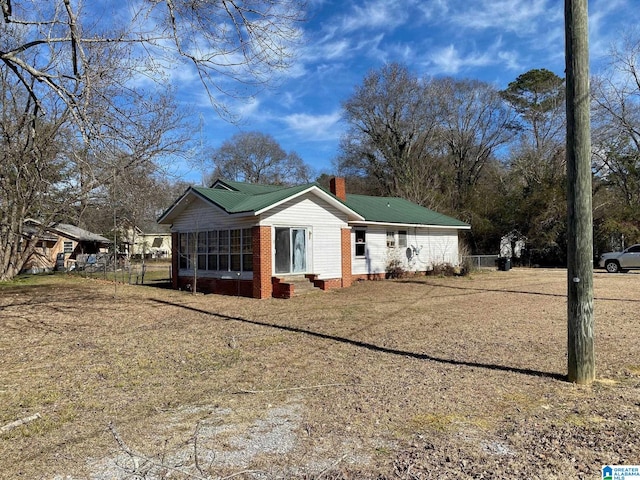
(510, 59)
(334, 50)
(434, 10)
(522, 17)
(247, 108)
(376, 14)
(602, 38)
(450, 61)
(315, 127)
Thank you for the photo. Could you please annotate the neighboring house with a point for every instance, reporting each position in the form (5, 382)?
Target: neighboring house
(152, 242)
(252, 240)
(60, 244)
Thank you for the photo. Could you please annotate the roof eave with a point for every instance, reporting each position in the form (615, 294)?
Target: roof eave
(409, 225)
(167, 217)
(163, 219)
(319, 193)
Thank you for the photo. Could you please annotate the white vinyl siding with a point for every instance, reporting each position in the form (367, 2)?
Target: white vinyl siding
(323, 223)
(424, 248)
(201, 216)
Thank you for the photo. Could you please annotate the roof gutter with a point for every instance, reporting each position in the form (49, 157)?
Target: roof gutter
(409, 225)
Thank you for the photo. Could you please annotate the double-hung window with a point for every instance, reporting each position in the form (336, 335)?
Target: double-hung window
(402, 238)
(361, 242)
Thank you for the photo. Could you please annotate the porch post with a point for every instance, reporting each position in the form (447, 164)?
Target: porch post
(262, 265)
(174, 259)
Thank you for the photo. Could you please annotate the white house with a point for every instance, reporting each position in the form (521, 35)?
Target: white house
(152, 242)
(239, 238)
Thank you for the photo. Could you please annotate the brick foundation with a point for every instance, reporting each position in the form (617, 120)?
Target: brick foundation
(221, 286)
(369, 276)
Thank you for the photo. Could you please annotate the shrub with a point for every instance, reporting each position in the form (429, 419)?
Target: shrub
(394, 269)
(443, 270)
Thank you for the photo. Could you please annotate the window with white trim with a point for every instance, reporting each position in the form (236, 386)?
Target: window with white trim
(361, 242)
(67, 247)
(217, 250)
(402, 238)
(391, 239)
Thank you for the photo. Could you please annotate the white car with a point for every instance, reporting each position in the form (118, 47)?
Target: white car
(621, 261)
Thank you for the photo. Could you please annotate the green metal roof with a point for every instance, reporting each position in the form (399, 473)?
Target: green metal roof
(247, 188)
(238, 197)
(248, 201)
(398, 210)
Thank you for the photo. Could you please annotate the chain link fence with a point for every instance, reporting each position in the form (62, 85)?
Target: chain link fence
(103, 266)
(476, 262)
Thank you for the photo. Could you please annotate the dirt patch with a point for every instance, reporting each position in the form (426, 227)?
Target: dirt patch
(414, 378)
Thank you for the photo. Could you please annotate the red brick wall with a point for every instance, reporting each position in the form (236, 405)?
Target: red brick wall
(174, 260)
(262, 267)
(329, 283)
(346, 257)
(282, 290)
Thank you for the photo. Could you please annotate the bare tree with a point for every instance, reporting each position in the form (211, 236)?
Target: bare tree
(475, 125)
(244, 42)
(84, 92)
(394, 119)
(256, 157)
(424, 140)
(616, 99)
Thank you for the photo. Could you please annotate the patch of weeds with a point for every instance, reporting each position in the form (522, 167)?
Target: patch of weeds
(46, 423)
(520, 401)
(383, 451)
(579, 420)
(268, 341)
(39, 398)
(25, 280)
(482, 423)
(604, 383)
(634, 369)
(436, 422)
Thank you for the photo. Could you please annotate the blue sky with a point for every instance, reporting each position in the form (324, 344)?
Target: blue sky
(490, 40)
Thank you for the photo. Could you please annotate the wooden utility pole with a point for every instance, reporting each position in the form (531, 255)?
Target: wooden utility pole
(581, 355)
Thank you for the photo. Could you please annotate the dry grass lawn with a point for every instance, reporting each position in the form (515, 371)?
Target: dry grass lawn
(419, 378)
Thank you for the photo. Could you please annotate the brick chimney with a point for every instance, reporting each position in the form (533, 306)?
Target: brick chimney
(338, 187)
